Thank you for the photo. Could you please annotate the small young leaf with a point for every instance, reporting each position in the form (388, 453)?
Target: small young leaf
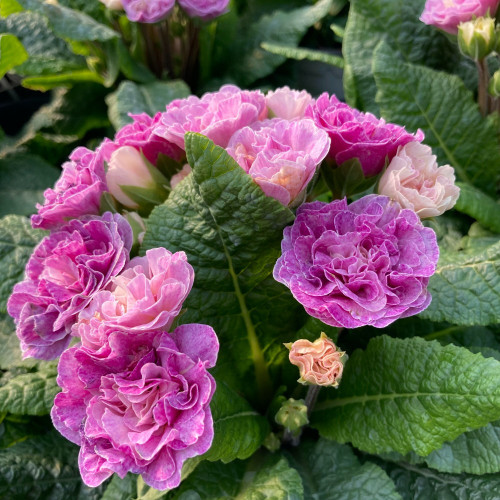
(12, 53)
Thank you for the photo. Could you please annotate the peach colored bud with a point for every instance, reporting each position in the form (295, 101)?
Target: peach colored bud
(127, 168)
(287, 103)
(415, 181)
(319, 362)
(179, 176)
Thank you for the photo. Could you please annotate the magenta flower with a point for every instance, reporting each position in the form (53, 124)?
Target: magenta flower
(358, 135)
(78, 191)
(147, 11)
(141, 408)
(147, 295)
(448, 14)
(139, 134)
(204, 9)
(281, 156)
(216, 115)
(367, 263)
(65, 271)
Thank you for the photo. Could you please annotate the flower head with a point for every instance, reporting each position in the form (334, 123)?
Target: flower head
(448, 14)
(358, 135)
(415, 181)
(288, 104)
(147, 11)
(141, 408)
(204, 9)
(216, 114)
(367, 263)
(319, 362)
(281, 156)
(64, 272)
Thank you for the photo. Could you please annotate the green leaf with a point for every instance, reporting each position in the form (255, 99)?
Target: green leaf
(30, 393)
(262, 477)
(416, 481)
(67, 79)
(8, 7)
(149, 98)
(69, 23)
(43, 467)
(300, 54)
(17, 240)
(10, 353)
(411, 394)
(238, 429)
(475, 452)
(475, 203)
(231, 233)
(397, 22)
(466, 288)
(23, 178)
(331, 471)
(250, 62)
(121, 489)
(12, 53)
(444, 109)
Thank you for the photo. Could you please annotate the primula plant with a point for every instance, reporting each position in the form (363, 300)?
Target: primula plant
(258, 293)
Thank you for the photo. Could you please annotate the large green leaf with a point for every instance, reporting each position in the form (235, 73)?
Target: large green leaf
(418, 482)
(238, 429)
(69, 23)
(17, 240)
(231, 233)
(444, 109)
(149, 98)
(466, 288)
(331, 471)
(10, 353)
(12, 53)
(43, 467)
(121, 489)
(482, 207)
(397, 22)
(23, 178)
(29, 393)
(263, 477)
(411, 394)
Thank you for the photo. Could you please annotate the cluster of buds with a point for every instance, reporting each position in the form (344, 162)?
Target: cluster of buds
(478, 38)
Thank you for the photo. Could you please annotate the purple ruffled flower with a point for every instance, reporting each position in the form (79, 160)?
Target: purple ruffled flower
(281, 156)
(204, 9)
(140, 404)
(64, 272)
(216, 114)
(367, 263)
(358, 135)
(147, 11)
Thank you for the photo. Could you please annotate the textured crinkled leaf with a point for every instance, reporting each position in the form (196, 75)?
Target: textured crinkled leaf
(23, 178)
(397, 22)
(417, 482)
(331, 471)
(17, 240)
(47, 53)
(300, 54)
(43, 467)
(482, 207)
(238, 429)
(10, 352)
(410, 395)
(12, 53)
(29, 393)
(121, 489)
(69, 23)
(466, 288)
(148, 98)
(231, 233)
(259, 478)
(440, 105)
(250, 61)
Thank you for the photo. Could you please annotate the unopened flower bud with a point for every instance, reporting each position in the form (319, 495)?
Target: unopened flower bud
(133, 181)
(494, 87)
(319, 362)
(292, 415)
(272, 442)
(477, 38)
(138, 228)
(113, 4)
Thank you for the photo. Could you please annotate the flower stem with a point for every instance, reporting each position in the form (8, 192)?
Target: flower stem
(482, 90)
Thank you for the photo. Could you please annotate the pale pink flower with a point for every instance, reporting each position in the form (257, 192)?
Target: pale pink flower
(448, 14)
(288, 104)
(179, 176)
(113, 4)
(319, 362)
(415, 181)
